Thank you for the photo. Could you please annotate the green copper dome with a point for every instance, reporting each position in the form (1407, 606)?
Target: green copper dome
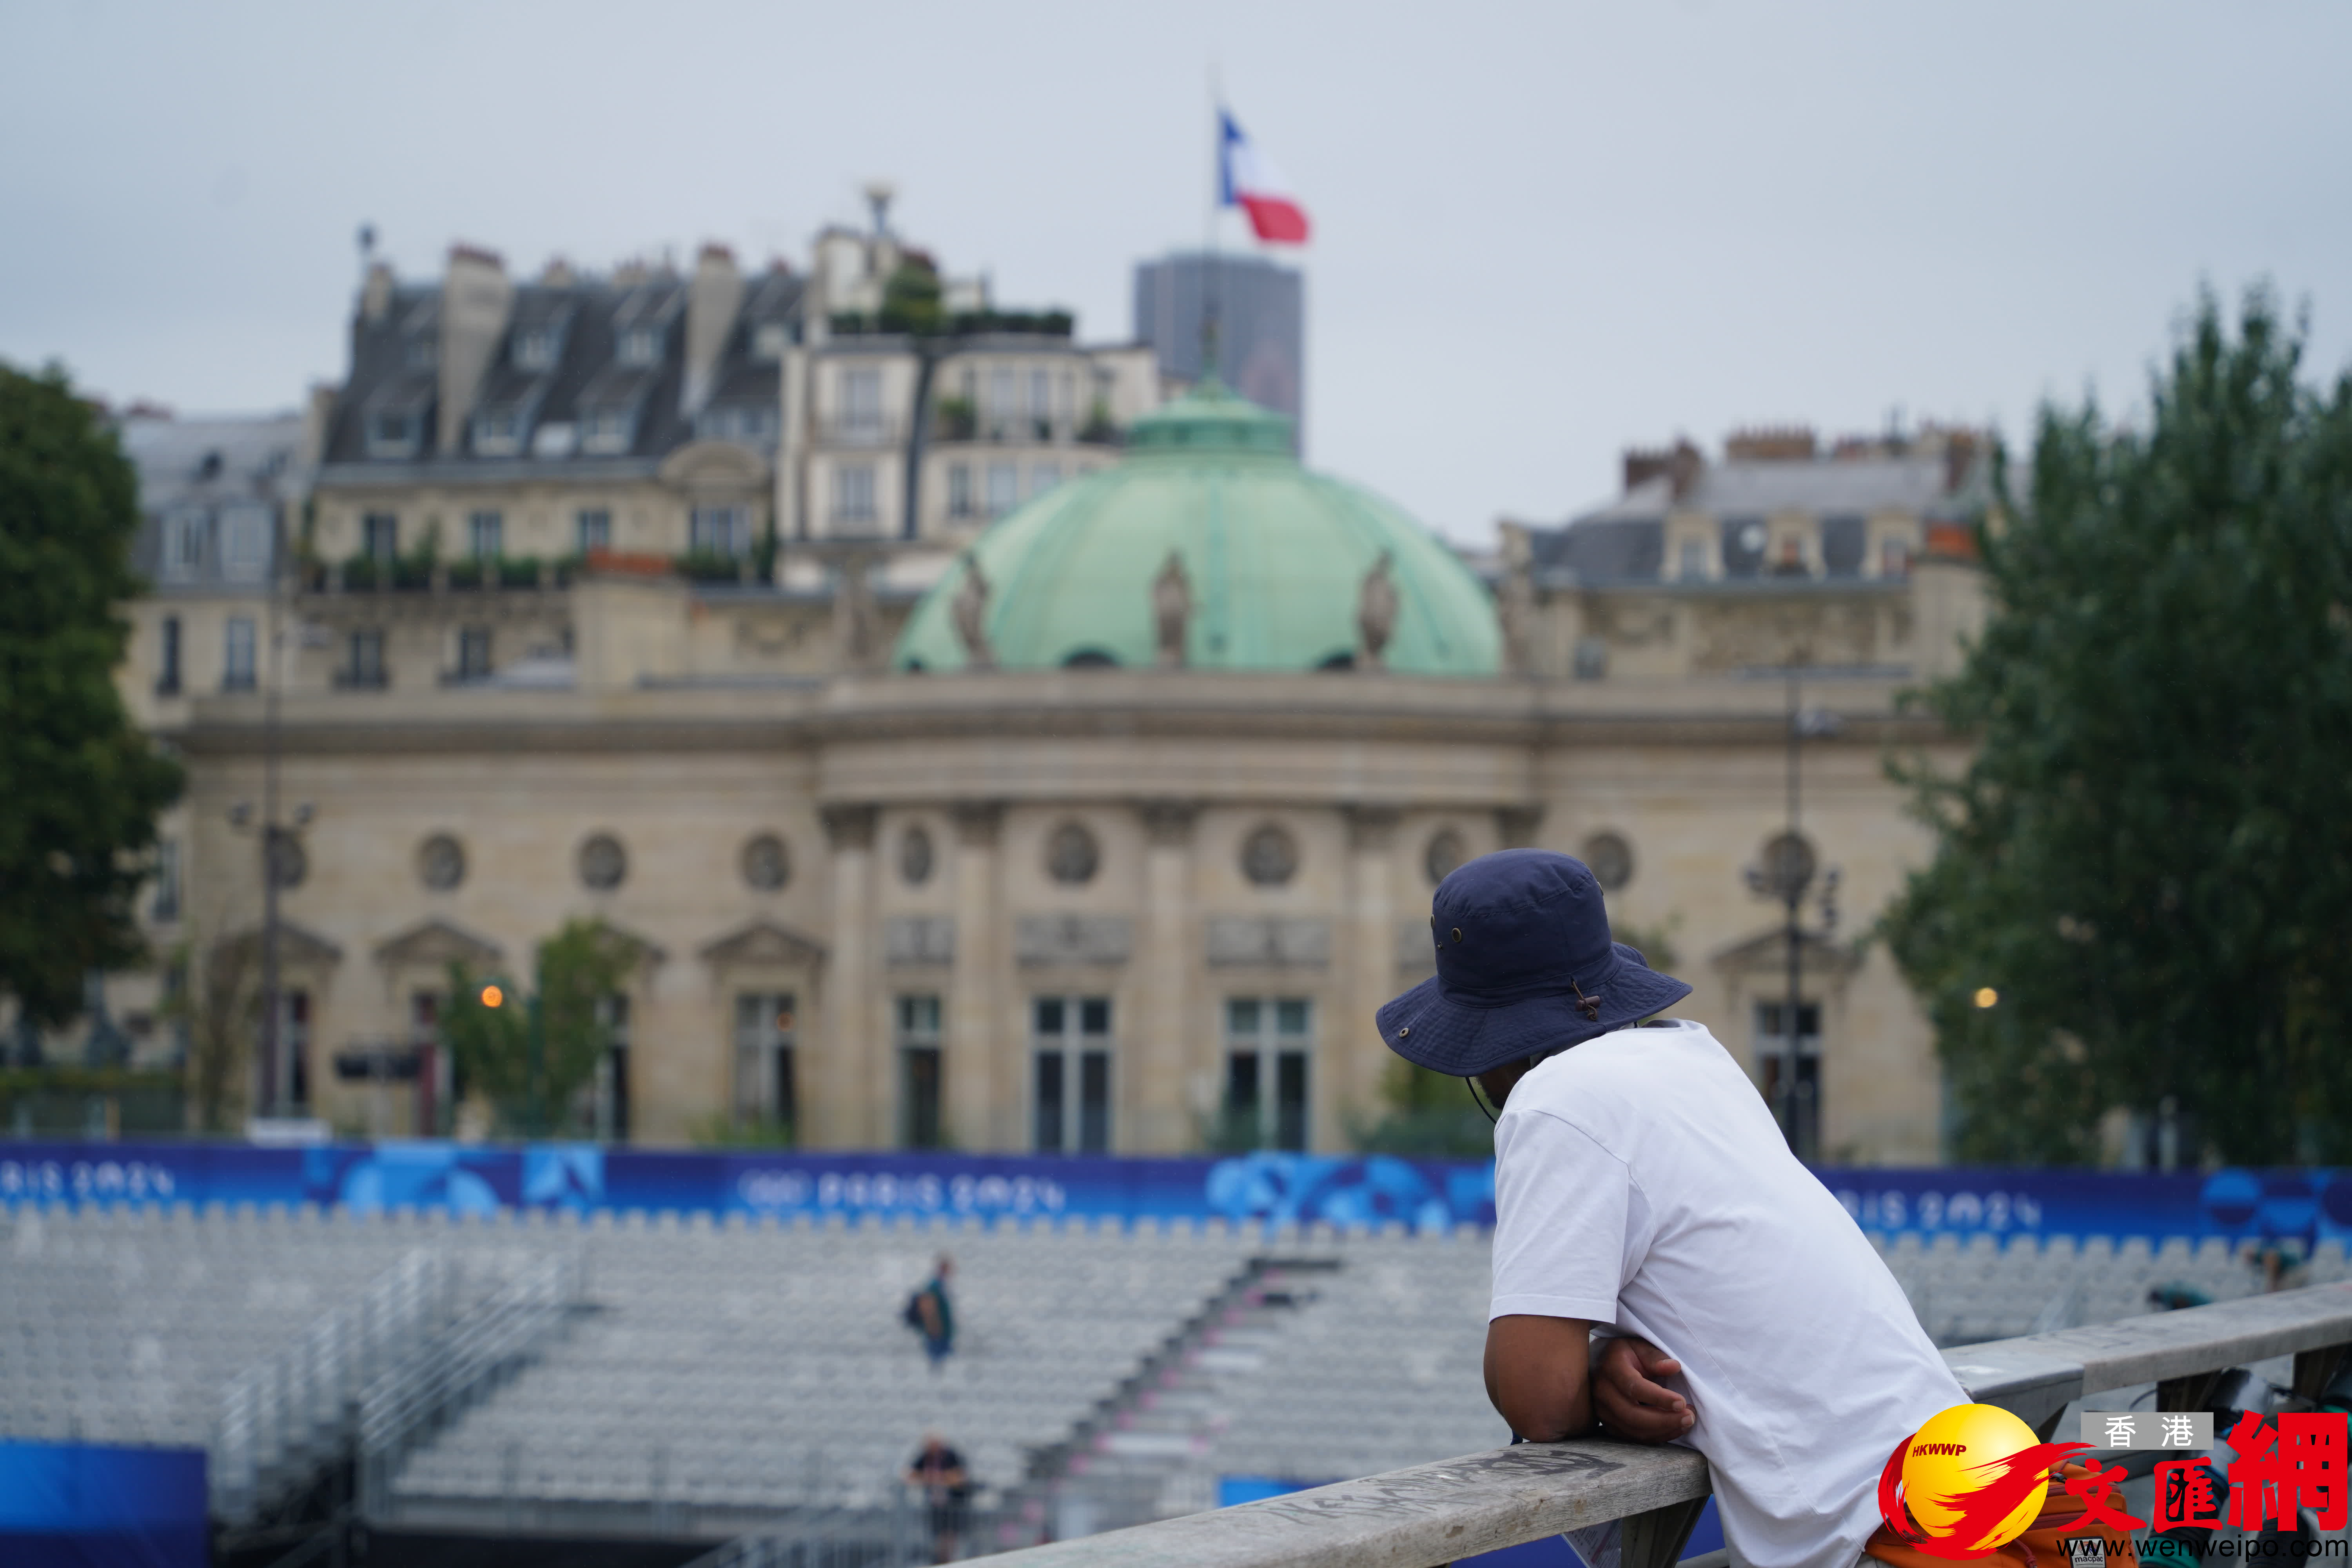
(1273, 562)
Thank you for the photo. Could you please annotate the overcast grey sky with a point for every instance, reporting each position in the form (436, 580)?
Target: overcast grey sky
(1542, 231)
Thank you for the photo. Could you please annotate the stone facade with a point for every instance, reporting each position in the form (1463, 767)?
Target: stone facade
(1169, 777)
(1118, 903)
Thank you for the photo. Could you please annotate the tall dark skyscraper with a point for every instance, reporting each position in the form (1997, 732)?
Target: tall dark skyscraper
(1261, 312)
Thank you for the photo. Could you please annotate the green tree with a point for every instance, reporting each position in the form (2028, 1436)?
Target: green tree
(532, 1086)
(2142, 889)
(79, 787)
(1424, 1113)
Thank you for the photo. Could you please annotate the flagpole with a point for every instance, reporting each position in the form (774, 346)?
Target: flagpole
(1209, 253)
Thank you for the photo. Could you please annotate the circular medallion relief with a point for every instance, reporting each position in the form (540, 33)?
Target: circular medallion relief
(1071, 854)
(1269, 856)
(289, 863)
(441, 862)
(603, 862)
(1789, 865)
(1611, 859)
(1445, 853)
(915, 855)
(767, 864)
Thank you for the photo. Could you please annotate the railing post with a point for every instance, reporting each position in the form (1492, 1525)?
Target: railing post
(1656, 1539)
(2315, 1369)
(2192, 1392)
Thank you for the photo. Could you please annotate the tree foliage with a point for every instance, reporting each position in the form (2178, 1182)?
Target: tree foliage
(579, 967)
(79, 787)
(2149, 859)
(1426, 1113)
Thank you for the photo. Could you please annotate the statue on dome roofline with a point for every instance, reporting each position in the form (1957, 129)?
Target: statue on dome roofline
(1171, 610)
(970, 611)
(1376, 613)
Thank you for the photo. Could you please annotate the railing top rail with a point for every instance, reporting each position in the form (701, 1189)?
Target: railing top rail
(1481, 1502)
(2070, 1363)
(1406, 1519)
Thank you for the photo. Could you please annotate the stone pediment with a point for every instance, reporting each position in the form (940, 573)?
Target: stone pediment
(763, 944)
(1277, 942)
(435, 944)
(1767, 952)
(297, 945)
(636, 952)
(715, 466)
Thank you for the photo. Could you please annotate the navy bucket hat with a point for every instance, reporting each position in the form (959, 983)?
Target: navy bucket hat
(1525, 963)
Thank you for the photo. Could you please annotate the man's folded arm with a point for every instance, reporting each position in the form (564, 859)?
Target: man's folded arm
(1536, 1375)
(1545, 1379)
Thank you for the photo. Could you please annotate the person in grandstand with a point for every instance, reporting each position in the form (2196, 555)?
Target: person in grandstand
(1665, 1270)
(937, 1470)
(932, 1314)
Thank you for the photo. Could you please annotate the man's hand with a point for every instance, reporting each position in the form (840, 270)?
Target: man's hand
(1629, 1400)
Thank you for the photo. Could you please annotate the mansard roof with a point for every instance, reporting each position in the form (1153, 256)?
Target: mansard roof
(1944, 477)
(578, 322)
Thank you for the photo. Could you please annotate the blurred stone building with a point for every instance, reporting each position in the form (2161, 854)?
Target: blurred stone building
(1099, 826)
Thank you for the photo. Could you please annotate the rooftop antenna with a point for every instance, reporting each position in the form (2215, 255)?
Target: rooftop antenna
(367, 249)
(877, 197)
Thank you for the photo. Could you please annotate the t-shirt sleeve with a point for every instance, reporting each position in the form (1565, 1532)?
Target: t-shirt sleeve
(1562, 1203)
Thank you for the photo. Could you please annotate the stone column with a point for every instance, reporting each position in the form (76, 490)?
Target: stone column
(841, 1079)
(1160, 1059)
(983, 1093)
(1350, 1044)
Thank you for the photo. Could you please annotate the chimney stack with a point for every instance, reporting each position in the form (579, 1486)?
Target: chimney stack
(713, 298)
(476, 302)
(376, 294)
(1679, 464)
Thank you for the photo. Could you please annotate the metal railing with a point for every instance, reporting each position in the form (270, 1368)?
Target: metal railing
(283, 1417)
(1484, 1502)
(441, 1378)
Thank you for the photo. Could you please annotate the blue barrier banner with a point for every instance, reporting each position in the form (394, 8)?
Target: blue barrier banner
(98, 1507)
(1372, 1190)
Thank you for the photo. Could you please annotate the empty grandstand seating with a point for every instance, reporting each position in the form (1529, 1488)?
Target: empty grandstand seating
(718, 1376)
(1965, 1293)
(127, 1325)
(727, 1372)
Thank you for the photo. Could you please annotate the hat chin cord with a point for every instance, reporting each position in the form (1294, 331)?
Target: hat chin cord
(1531, 1058)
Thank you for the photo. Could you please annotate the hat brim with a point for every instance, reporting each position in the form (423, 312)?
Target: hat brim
(1433, 1030)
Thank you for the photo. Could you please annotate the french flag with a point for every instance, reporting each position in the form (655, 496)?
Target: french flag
(1251, 181)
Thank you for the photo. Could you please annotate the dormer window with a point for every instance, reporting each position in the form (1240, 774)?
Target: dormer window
(184, 545)
(424, 353)
(245, 544)
(392, 433)
(640, 346)
(497, 432)
(605, 431)
(770, 340)
(746, 425)
(535, 350)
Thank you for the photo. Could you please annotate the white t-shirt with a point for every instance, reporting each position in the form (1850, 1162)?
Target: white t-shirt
(1641, 1183)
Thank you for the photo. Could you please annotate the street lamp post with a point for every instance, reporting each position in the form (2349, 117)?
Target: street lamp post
(1787, 874)
(535, 1038)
